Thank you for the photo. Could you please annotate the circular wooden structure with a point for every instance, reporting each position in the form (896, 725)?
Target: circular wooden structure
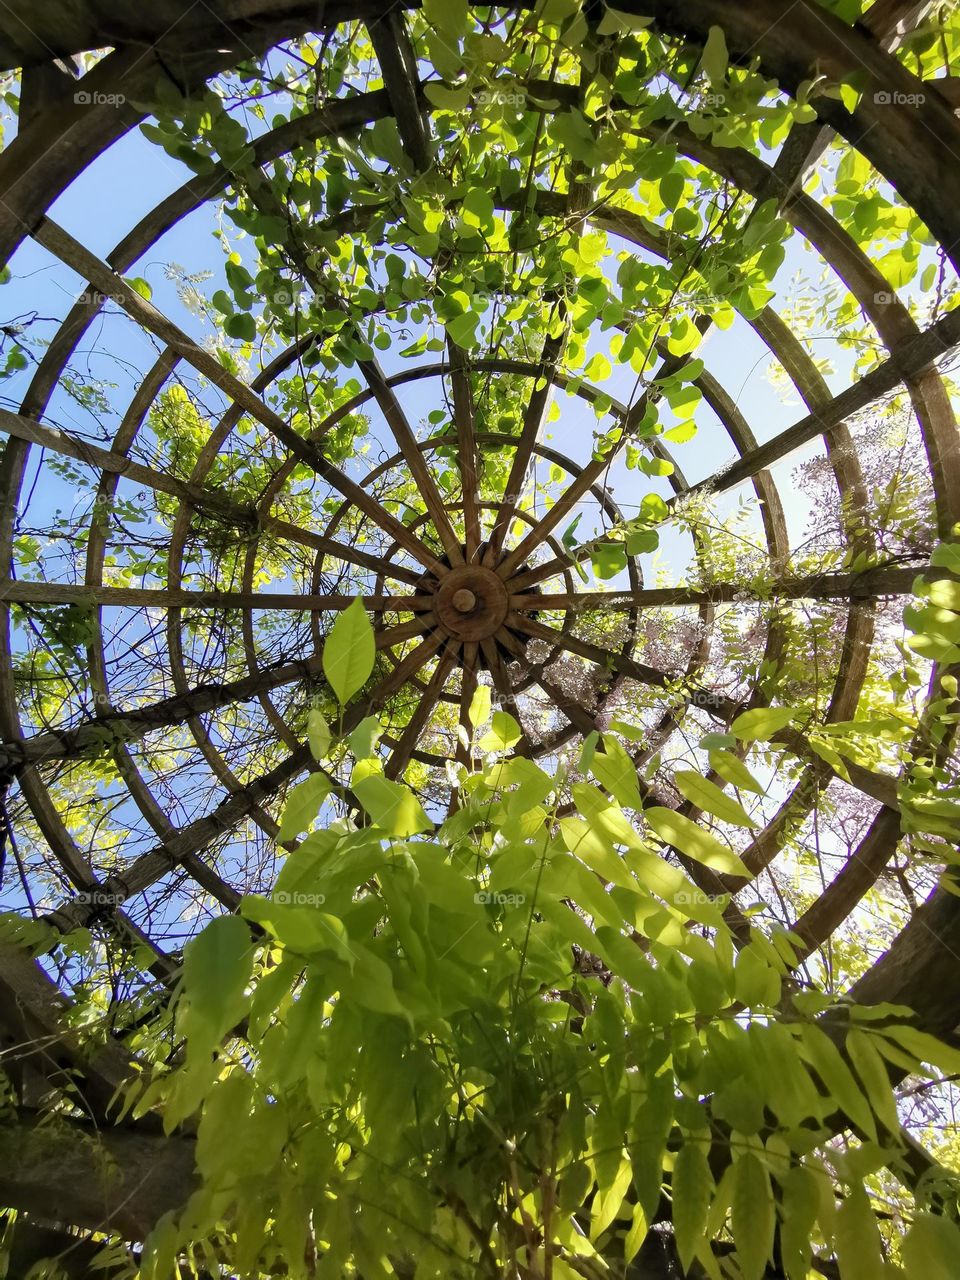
(474, 584)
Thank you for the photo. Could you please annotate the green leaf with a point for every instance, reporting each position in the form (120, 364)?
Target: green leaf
(451, 17)
(858, 1241)
(760, 724)
(349, 652)
(932, 1248)
(241, 325)
(502, 734)
(366, 735)
(392, 806)
(753, 1215)
(692, 1190)
(715, 58)
(925, 1048)
(463, 329)
(675, 829)
(139, 285)
(873, 1074)
(479, 712)
(569, 538)
(732, 769)
(303, 805)
(825, 1058)
(445, 98)
(609, 559)
(707, 795)
(682, 433)
(614, 770)
(318, 734)
(217, 965)
(801, 1199)
(636, 1234)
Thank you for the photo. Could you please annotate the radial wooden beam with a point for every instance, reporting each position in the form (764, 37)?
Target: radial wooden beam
(113, 286)
(200, 834)
(715, 703)
(118, 726)
(501, 683)
(398, 66)
(211, 502)
(467, 463)
(908, 360)
(166, 598)
(852, 883)
(594, 469)
(539, 401)
(409, 446)
(576, 715)
(891, 580)
(426, 705)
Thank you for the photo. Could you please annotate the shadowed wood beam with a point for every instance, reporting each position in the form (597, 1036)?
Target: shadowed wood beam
(464, 421)
(203, 832)
(890, 580)
(37, 1037)
(471, 653)
(852, 883)
(909, 359)
(501, 683)
(568, 706)
(209, 502)
(623, 665)
(127, 726)
(398, 66)
(426, 705)
(161, 597)
(112, 286)
(540, 395)
(103, 1179)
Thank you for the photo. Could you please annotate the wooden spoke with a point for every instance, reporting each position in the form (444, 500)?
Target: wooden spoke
(910, 358)
(578, 716)
(210, 502)
(148, 597)
(463, 416)
(471, 653)
(884, 581)
(540, 396)
(398, 66)
(501, 683)
(413, 456)
(721, 706)
(91, 268)
(400, 756)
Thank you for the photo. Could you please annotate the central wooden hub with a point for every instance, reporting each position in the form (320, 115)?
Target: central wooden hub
(472, 602)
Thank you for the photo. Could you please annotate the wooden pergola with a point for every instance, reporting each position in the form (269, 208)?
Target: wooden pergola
(473, 606)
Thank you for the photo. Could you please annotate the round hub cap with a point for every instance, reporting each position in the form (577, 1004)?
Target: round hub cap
(472, 602)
